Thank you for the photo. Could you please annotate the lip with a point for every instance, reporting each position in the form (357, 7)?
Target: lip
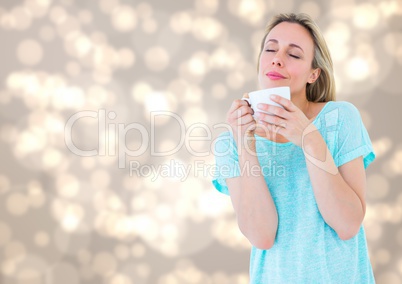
(275, 75)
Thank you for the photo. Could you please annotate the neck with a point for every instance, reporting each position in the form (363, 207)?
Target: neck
(302, 103)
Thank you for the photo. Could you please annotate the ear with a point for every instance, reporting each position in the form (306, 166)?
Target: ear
(314, 75)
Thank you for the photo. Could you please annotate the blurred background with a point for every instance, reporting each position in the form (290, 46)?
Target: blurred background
(108, 110)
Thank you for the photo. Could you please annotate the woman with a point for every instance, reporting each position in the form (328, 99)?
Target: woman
(296, 179)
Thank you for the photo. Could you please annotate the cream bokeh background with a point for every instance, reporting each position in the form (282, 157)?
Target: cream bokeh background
(66, 218)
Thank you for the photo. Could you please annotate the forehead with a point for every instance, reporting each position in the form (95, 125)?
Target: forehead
(286, 33)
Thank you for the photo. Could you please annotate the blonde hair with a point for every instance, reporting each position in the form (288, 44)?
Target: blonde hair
(323, 89)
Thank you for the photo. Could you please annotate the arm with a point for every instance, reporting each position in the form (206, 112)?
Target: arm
(255, 210)
(340, 195)
(339, 192)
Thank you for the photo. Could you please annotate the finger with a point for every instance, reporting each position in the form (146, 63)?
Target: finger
(242, 120)
(236, 105)
(268, 128)
(247, 119)
(275, 110)
(271, 119)
(276, 129)
(262, 125)
(242, 111)
(246, 96)
(287, 104)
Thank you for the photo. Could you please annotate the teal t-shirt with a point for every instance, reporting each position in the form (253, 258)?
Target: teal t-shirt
(306, 249)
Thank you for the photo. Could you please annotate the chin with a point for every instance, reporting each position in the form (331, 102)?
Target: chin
(272, 84)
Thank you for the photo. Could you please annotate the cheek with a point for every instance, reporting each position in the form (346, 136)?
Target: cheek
(302, 73)
(264, 62)
(298, 75)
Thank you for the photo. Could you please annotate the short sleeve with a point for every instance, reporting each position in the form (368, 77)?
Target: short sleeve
(353, 138)
(226, 161)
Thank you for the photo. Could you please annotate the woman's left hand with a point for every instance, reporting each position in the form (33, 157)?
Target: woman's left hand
(289, 121)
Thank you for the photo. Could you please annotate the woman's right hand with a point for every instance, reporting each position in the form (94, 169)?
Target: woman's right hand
(240, 118)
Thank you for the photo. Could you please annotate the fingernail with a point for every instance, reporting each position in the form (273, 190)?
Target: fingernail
(273, 97)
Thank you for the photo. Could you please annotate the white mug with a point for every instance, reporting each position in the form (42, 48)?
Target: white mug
(263, 96)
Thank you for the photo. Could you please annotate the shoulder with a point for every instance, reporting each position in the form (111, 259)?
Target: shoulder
(225, 134)
(223, 142)
(343, 106)
(339, 116)
(342, 110)
(225, 137)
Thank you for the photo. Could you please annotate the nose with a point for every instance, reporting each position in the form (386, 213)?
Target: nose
(277, 60)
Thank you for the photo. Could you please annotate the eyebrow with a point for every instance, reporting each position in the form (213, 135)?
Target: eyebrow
(290, 44)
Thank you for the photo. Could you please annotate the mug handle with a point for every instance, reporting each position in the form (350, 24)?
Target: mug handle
(247, 100)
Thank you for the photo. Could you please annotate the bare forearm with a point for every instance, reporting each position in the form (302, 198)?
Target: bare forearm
(256, 211)
(339, 205)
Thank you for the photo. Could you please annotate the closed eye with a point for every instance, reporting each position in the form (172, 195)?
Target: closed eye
(291, 55)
